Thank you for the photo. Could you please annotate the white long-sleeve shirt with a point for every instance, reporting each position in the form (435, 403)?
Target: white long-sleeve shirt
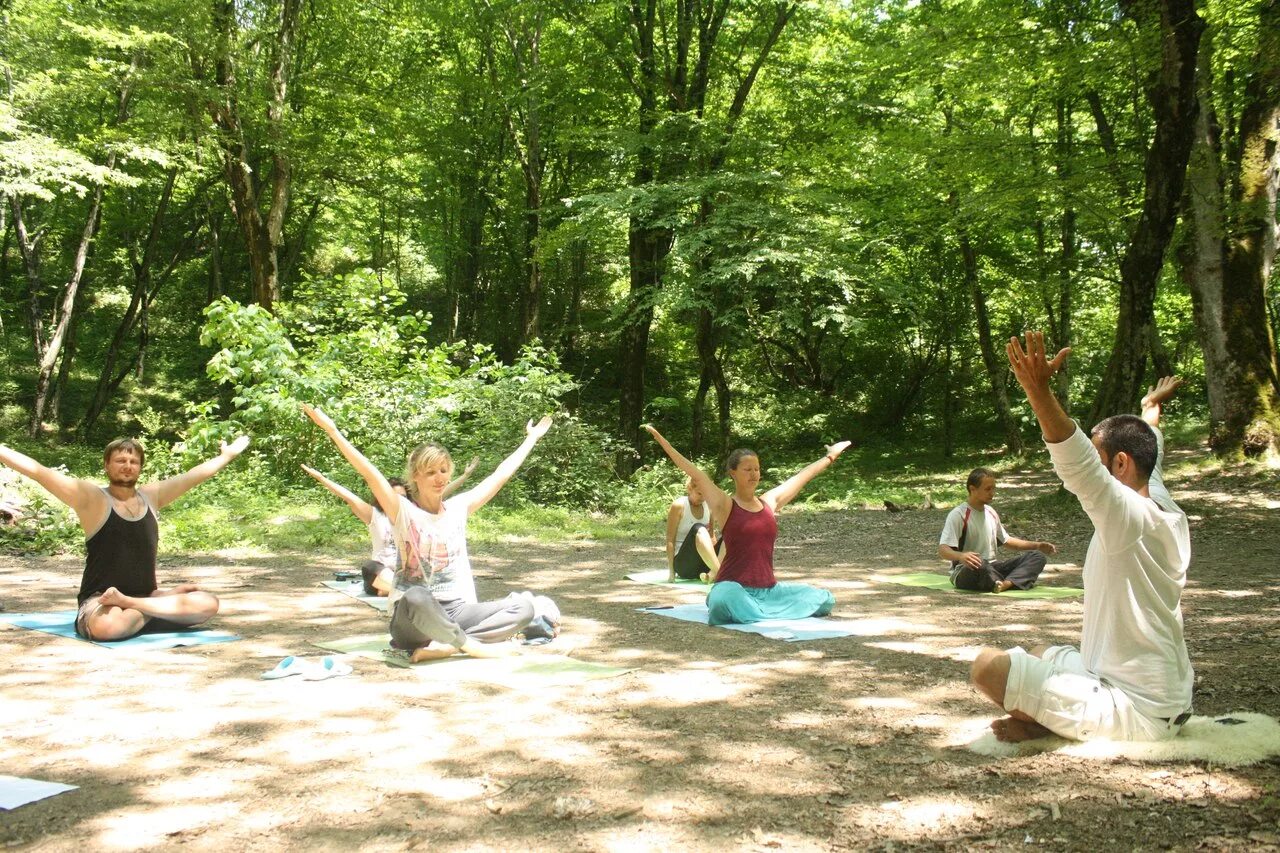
(1134, 572)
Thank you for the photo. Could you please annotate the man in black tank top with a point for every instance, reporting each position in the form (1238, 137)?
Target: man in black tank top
(118, 593)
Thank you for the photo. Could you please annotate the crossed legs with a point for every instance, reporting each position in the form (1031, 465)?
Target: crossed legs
(116, 616)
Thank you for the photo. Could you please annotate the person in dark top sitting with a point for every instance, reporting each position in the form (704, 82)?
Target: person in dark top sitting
(118, 592)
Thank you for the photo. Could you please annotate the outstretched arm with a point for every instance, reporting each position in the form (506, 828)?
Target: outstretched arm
(1028, 545)
(1033, 370)
(77, 494)
(786, 491)
(1157, 396)
(167, 491)
(382, 491)
(717, 497)
(490, 486)
(456, 483)
(362, 510)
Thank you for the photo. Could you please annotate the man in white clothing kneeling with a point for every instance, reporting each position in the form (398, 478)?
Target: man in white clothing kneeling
(1131, 679)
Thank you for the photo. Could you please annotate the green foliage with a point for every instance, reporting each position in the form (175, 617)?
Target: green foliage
(373, 372)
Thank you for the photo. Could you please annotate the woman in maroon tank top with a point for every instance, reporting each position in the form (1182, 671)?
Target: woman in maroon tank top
(745, 590)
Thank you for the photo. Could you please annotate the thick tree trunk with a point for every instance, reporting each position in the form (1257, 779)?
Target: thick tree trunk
(1228, 258)
(995, 368)
(1172, 95)
(262, 232)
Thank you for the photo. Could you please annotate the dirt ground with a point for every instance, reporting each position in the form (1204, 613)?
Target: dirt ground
(718, 740)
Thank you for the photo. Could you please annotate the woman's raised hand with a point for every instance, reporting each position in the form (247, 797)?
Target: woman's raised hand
(834, 450)
(322, 420)
(538, 430)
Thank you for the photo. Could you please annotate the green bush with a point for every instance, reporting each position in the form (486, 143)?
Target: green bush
(373, 371)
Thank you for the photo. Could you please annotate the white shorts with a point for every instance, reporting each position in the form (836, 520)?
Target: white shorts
(1060, 694)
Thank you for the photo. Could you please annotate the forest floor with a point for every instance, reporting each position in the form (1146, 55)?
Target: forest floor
(716, 740)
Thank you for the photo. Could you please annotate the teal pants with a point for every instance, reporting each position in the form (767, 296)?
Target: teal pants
(731, 603)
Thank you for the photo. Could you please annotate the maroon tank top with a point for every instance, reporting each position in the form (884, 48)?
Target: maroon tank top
(121, 554)
(748, 543)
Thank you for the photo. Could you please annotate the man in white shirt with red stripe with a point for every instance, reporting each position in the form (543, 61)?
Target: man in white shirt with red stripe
(971, 535)
(1131, 678)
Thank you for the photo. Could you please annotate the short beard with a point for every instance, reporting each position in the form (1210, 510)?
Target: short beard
(128, 484)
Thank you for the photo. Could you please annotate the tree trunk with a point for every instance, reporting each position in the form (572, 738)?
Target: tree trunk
(47, 355)
(142, 264)
(995, 369)
(1228, 257)
(262, 233)
(1172, 95)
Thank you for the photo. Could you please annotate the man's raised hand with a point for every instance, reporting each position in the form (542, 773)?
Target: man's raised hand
(1031, 366)
(834, 450)
(1160, 393)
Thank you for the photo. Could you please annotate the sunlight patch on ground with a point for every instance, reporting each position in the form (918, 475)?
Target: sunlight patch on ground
(914, 816)
(683, 688)
(960, 654)
(129, 830)
(885, 702)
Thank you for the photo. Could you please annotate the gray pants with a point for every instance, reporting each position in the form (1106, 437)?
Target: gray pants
(1022, 571)
(418, 618)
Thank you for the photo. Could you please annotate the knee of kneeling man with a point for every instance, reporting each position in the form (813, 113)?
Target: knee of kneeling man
(987, 665)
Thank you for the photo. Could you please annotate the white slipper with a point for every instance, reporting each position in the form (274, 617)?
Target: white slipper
(289, 666)
(328, 667)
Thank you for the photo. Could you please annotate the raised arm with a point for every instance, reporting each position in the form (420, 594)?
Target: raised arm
(1033, 370)
(786, 491)
(362, 510)
(454, 484)
(165, 492)
(1157, 396)
(491, 485)
(80, 495)
(717, 497)
(382, 491)
(1030, 545)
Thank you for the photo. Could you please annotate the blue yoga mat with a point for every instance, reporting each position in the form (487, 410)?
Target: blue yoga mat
(791, 630)
(62, 623)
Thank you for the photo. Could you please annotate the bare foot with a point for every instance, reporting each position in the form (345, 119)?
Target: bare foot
(113, 598)
(432, 652)
(1004, 585)
(1013, 730)
(477, 649)
(704, 577)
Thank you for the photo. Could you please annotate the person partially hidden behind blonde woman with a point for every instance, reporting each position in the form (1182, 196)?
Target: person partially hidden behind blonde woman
(691, 537)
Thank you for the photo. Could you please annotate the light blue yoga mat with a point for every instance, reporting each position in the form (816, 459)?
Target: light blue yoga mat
(355, 589)
(62, 623)
(16, 791)
(791, 630)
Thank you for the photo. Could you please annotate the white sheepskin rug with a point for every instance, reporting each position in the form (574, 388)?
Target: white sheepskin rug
(1228, 740)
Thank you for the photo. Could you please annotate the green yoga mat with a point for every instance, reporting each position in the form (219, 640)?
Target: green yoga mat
(930, 580)
(658, 577)
(530, 671)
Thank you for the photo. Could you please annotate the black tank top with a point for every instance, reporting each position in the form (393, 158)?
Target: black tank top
(121, 554)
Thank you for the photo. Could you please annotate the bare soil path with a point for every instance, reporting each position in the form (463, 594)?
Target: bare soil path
(719, 740)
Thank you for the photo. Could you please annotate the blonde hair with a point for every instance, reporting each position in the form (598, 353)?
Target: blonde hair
(425, 456)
